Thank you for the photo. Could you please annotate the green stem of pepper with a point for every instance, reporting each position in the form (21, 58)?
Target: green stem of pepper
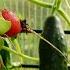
(48, 5)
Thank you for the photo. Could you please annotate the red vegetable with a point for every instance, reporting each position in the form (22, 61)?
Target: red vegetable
(15, 22)
(15, 28)
(7, 15)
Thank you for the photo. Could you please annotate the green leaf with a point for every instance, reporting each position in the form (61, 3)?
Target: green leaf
(4, 26)
(1, 42)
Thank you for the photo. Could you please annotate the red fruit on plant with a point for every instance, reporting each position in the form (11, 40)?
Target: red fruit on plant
(15, 22)
(7, 15)
(15, 28)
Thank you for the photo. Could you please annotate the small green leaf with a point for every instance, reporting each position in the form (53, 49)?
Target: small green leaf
(4, 26)
(1, 42)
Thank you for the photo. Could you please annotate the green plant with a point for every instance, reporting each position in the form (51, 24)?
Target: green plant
(60, 11)
(48, 5)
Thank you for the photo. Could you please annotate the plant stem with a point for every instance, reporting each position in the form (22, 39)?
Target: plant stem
(64, 15)
(48, 5)
(59, 4)
(20, 54)
(43, 4)
(54, 5)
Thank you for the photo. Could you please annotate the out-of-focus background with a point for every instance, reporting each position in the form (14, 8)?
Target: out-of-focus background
(35, 16)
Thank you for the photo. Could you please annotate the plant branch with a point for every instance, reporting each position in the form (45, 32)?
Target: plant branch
(54, 5)
(19, 54)
(48, 5)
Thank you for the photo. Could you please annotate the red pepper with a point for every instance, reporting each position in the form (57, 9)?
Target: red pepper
(15, 22)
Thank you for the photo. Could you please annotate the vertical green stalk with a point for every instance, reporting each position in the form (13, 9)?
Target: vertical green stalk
(17, 47)
(56, 6)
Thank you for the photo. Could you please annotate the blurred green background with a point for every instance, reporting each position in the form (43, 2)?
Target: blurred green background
(35, 16)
